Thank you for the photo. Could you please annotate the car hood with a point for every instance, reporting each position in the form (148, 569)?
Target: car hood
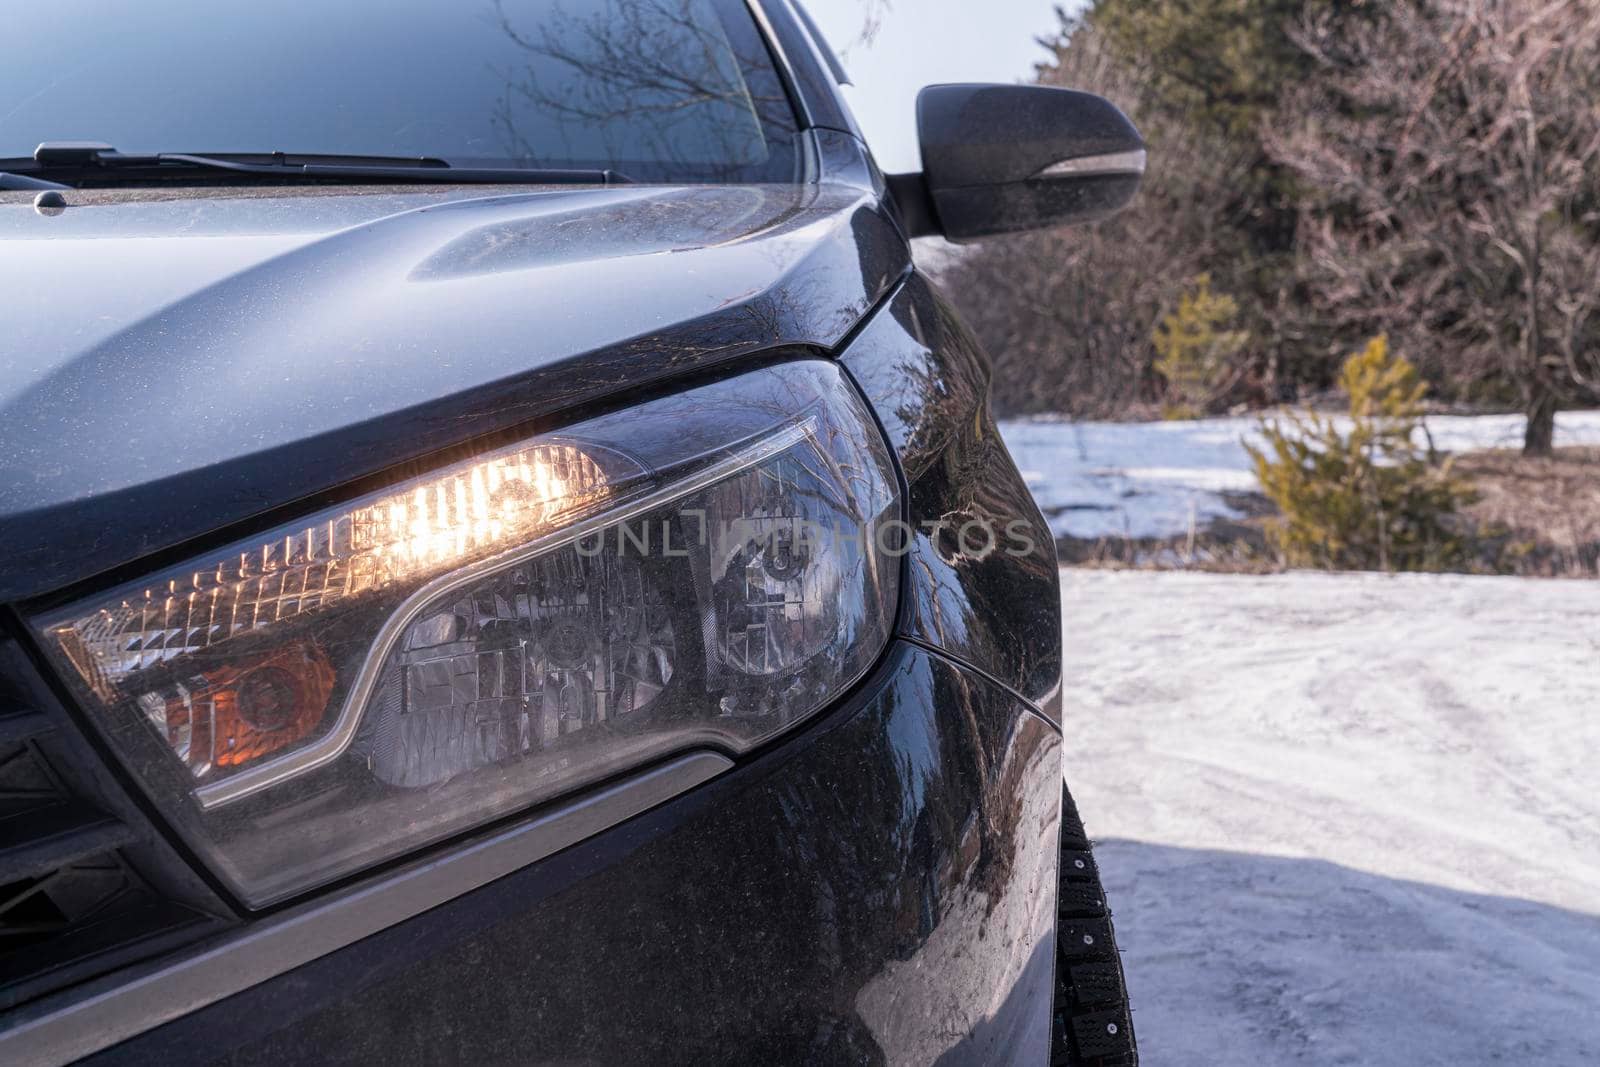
(174, 361)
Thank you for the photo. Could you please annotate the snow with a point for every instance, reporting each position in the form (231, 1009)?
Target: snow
(1344, 818)
(1152, 479)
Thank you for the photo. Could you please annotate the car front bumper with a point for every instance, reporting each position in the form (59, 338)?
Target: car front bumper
(879, 887)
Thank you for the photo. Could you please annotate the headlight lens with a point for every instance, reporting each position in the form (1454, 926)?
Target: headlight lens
(701, 571)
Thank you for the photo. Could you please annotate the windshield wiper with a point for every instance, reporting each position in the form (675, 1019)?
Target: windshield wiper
(10, 183)
(97, 162)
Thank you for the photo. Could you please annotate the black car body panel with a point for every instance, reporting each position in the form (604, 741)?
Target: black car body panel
(182, 367)
(250, 351)
(879, 888)
(982, 567)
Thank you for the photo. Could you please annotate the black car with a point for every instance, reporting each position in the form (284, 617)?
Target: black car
(503, 558)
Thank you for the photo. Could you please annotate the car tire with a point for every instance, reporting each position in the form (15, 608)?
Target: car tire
(1091, 1025)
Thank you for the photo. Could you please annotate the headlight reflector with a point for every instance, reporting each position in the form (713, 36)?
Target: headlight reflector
(700, 571)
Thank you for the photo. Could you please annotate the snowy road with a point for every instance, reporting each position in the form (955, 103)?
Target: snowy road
(1345, 818)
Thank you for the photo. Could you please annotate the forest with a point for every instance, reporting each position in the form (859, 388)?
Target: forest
(1322, 173)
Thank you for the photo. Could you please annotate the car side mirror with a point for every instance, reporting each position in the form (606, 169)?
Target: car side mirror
(1007, 158)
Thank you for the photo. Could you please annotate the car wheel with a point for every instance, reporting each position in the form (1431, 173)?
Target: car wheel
(1092, 1026)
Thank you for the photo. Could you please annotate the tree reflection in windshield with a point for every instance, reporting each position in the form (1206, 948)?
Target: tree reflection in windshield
(618, 79)
(660, 90)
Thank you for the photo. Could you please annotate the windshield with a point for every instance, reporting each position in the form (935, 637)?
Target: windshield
(660, 90)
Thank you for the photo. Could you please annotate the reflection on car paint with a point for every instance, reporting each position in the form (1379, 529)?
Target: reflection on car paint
(999, 610)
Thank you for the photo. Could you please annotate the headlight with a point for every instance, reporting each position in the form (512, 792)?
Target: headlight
(701, 571)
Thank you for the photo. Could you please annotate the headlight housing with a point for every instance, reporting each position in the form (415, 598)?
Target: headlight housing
(701, 571)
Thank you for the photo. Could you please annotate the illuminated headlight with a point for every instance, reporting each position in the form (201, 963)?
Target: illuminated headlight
(702, 571)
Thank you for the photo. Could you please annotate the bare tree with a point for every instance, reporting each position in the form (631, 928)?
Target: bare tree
(873, 14)
(1451, 150)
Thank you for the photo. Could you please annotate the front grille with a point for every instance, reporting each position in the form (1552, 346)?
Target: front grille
(85, 884)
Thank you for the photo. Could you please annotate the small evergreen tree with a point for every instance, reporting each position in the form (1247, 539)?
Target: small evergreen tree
(1195, 351)
(1370, 498)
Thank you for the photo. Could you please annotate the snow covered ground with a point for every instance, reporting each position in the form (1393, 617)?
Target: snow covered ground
(1149, 479)
(1344, 818)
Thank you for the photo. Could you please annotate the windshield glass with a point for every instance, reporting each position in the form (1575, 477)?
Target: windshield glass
(661, 90)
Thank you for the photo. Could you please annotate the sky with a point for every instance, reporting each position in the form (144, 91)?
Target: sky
(921, 42)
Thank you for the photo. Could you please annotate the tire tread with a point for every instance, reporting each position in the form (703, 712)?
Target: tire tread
(1092, 1024)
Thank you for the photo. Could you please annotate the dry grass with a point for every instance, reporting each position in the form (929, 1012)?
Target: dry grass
(1535, 517)
(1543, 513)
(1223, 546)
(1217, 556)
